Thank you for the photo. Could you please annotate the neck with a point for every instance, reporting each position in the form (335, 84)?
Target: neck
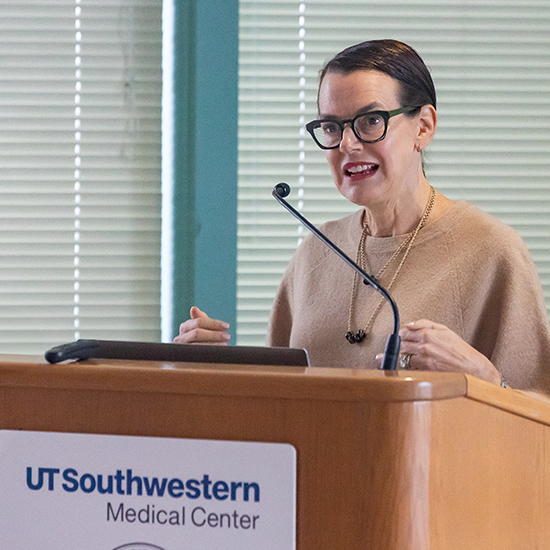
(400, 216)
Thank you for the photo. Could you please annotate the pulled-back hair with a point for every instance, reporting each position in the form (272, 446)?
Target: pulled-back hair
(393, 58)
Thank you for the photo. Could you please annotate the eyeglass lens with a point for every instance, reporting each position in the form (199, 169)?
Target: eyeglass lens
(369, 127)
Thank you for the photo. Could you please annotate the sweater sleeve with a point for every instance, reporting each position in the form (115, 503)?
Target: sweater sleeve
(280, 322)
(509, 314)
(290, 296)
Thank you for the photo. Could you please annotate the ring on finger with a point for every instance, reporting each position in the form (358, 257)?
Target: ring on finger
(405, 361)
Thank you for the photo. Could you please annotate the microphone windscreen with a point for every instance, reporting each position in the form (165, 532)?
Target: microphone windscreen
(282, 189)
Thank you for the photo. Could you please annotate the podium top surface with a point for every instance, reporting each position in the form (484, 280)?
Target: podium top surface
(335, 384)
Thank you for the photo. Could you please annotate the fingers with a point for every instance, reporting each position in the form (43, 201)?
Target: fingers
(196, 313)
(420, 335)
(427, 344)
(403, 361)
(201, 329)
(435, 347)
(422, 324)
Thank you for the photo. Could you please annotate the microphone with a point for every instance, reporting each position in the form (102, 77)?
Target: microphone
(391, 352)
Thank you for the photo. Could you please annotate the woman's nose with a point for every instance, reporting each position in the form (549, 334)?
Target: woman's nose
(349, 140)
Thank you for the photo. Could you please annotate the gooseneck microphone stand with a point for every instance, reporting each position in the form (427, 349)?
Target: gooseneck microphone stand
(391, 353)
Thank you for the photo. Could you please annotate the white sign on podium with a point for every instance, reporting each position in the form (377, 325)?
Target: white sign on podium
(104, 492)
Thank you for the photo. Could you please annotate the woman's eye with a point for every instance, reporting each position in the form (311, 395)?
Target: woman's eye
(330, 127)
(372, 120)
(369, 124)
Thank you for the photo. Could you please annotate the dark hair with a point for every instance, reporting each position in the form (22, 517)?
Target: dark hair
(393, 58)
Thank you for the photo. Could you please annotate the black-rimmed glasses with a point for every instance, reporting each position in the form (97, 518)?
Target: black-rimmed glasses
(367, 127)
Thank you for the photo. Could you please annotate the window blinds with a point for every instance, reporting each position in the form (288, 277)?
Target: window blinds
(490, 60)
(79, 171)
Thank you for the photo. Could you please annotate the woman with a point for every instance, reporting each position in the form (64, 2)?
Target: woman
(467, 290)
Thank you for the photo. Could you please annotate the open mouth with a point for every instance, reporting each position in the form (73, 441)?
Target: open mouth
(357, 171)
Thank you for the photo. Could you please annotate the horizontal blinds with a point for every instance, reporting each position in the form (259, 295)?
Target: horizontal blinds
(79, 171)
(490, 60)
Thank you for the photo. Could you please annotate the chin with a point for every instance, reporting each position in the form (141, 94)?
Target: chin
(359, 193)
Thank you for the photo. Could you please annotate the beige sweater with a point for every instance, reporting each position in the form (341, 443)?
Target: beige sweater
(466, 270)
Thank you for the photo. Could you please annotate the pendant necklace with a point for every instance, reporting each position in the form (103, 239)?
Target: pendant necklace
(361, 334)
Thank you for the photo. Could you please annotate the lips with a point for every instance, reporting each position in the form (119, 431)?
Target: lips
(359, 170)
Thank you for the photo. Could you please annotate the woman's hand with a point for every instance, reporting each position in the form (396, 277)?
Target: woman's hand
(201, 329)
(435, 347)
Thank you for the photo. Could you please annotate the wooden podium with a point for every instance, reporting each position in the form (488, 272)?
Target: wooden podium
(386, 461)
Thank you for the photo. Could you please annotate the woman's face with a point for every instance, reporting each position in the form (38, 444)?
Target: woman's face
(371, 174)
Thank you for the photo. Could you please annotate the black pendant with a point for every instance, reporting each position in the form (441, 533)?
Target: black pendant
(358, 337)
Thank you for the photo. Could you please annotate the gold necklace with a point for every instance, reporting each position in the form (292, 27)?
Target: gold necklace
(361, 334)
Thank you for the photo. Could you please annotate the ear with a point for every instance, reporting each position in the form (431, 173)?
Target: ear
(427, 122)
